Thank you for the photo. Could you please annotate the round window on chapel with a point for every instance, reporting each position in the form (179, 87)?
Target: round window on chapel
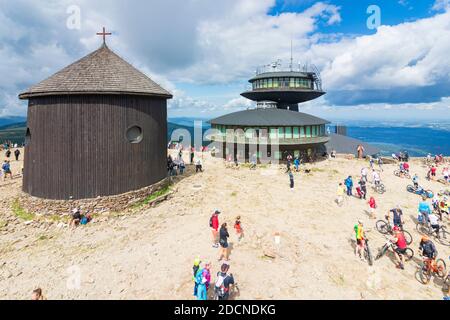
(134, 134)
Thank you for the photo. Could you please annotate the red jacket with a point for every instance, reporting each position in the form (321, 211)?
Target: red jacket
(215, 222)
(372, 203)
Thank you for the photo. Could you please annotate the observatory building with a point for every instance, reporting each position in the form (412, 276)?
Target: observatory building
(96, 128)
(275, 128)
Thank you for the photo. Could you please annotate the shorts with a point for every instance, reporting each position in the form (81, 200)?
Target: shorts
(7, 171)
(433, 174)
(400, 251)
(359, 242)
(224, 245)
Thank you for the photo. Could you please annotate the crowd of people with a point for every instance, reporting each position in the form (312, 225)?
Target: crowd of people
(6, 170)
(202, 272)
(177, 165)
(433, 214)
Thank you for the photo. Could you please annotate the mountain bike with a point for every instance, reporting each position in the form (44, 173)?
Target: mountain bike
(443, 236)
(402, 174)
(409, 253)
(379, 187)
(368, 253)
(420, 191)
(384, 227)
(430, 267)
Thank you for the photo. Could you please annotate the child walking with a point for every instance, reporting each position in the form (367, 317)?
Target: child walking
(238, 228)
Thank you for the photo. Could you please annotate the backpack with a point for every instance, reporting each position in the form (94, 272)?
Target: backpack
(219, 286)
(211, 221)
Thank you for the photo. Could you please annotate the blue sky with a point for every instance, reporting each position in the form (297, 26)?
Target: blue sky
(205, 51)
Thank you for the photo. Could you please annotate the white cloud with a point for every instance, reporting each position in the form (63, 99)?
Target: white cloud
(441, 5)
(203, 41)
(404, 55)
(240, 103)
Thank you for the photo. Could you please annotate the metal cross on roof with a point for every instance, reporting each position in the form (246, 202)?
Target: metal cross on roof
(104, 34)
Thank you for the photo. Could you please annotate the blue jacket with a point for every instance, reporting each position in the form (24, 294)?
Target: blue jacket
(348, 182)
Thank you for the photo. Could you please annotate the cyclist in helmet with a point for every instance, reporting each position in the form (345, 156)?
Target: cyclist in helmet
(400, 246)
(427, 249)
(424, 210)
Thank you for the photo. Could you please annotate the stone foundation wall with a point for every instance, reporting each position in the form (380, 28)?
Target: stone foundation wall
(117, 203)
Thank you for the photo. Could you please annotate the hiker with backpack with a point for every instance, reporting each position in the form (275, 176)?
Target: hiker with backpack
(223, 283)
(214, 225)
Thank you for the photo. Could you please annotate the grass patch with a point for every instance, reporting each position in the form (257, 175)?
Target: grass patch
(340, 280)
(234, 194)
(317, 170)
(20, 212)
(56, 218)
(2, 224)
(152, 197)
(43, 237)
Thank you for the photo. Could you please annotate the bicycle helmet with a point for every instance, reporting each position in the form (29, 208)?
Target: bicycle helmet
(425, 238)
(396, 228)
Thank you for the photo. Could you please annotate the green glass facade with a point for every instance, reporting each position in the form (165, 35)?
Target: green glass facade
(291, 82)
(287, 132)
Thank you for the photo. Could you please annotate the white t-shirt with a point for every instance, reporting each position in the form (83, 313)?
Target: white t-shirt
(364, 171)
(376, 176)
(433, 219)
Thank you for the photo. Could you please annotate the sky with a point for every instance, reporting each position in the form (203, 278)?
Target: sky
(394, 68)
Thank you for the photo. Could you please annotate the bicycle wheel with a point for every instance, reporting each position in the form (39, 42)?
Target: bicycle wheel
(444, 237)
(381, 252)
(382, 227)
(381, 189)
(446, 286)
(397, 173)
(369, 256)
(422, 229)
(408, 237)
(441, 268)
(409, 254)
(410, 188)
(424, 275)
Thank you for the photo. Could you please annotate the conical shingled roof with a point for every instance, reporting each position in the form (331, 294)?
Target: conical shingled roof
(100, 72)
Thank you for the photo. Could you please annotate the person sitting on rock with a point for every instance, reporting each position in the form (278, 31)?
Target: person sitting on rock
(85, 218)
(76, 218)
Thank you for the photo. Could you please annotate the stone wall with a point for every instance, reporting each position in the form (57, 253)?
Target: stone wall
(100, 205)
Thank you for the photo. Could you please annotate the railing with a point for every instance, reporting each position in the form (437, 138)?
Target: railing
(267, 140)
(279, 67)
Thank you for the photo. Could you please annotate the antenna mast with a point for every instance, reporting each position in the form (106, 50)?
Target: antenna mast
(291, 56)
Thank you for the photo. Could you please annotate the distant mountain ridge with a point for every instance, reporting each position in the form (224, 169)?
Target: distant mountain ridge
(15, 132)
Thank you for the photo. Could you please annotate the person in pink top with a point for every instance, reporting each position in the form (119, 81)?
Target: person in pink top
(372, 205)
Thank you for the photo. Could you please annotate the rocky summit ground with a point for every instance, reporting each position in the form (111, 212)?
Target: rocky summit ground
(149, 254)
